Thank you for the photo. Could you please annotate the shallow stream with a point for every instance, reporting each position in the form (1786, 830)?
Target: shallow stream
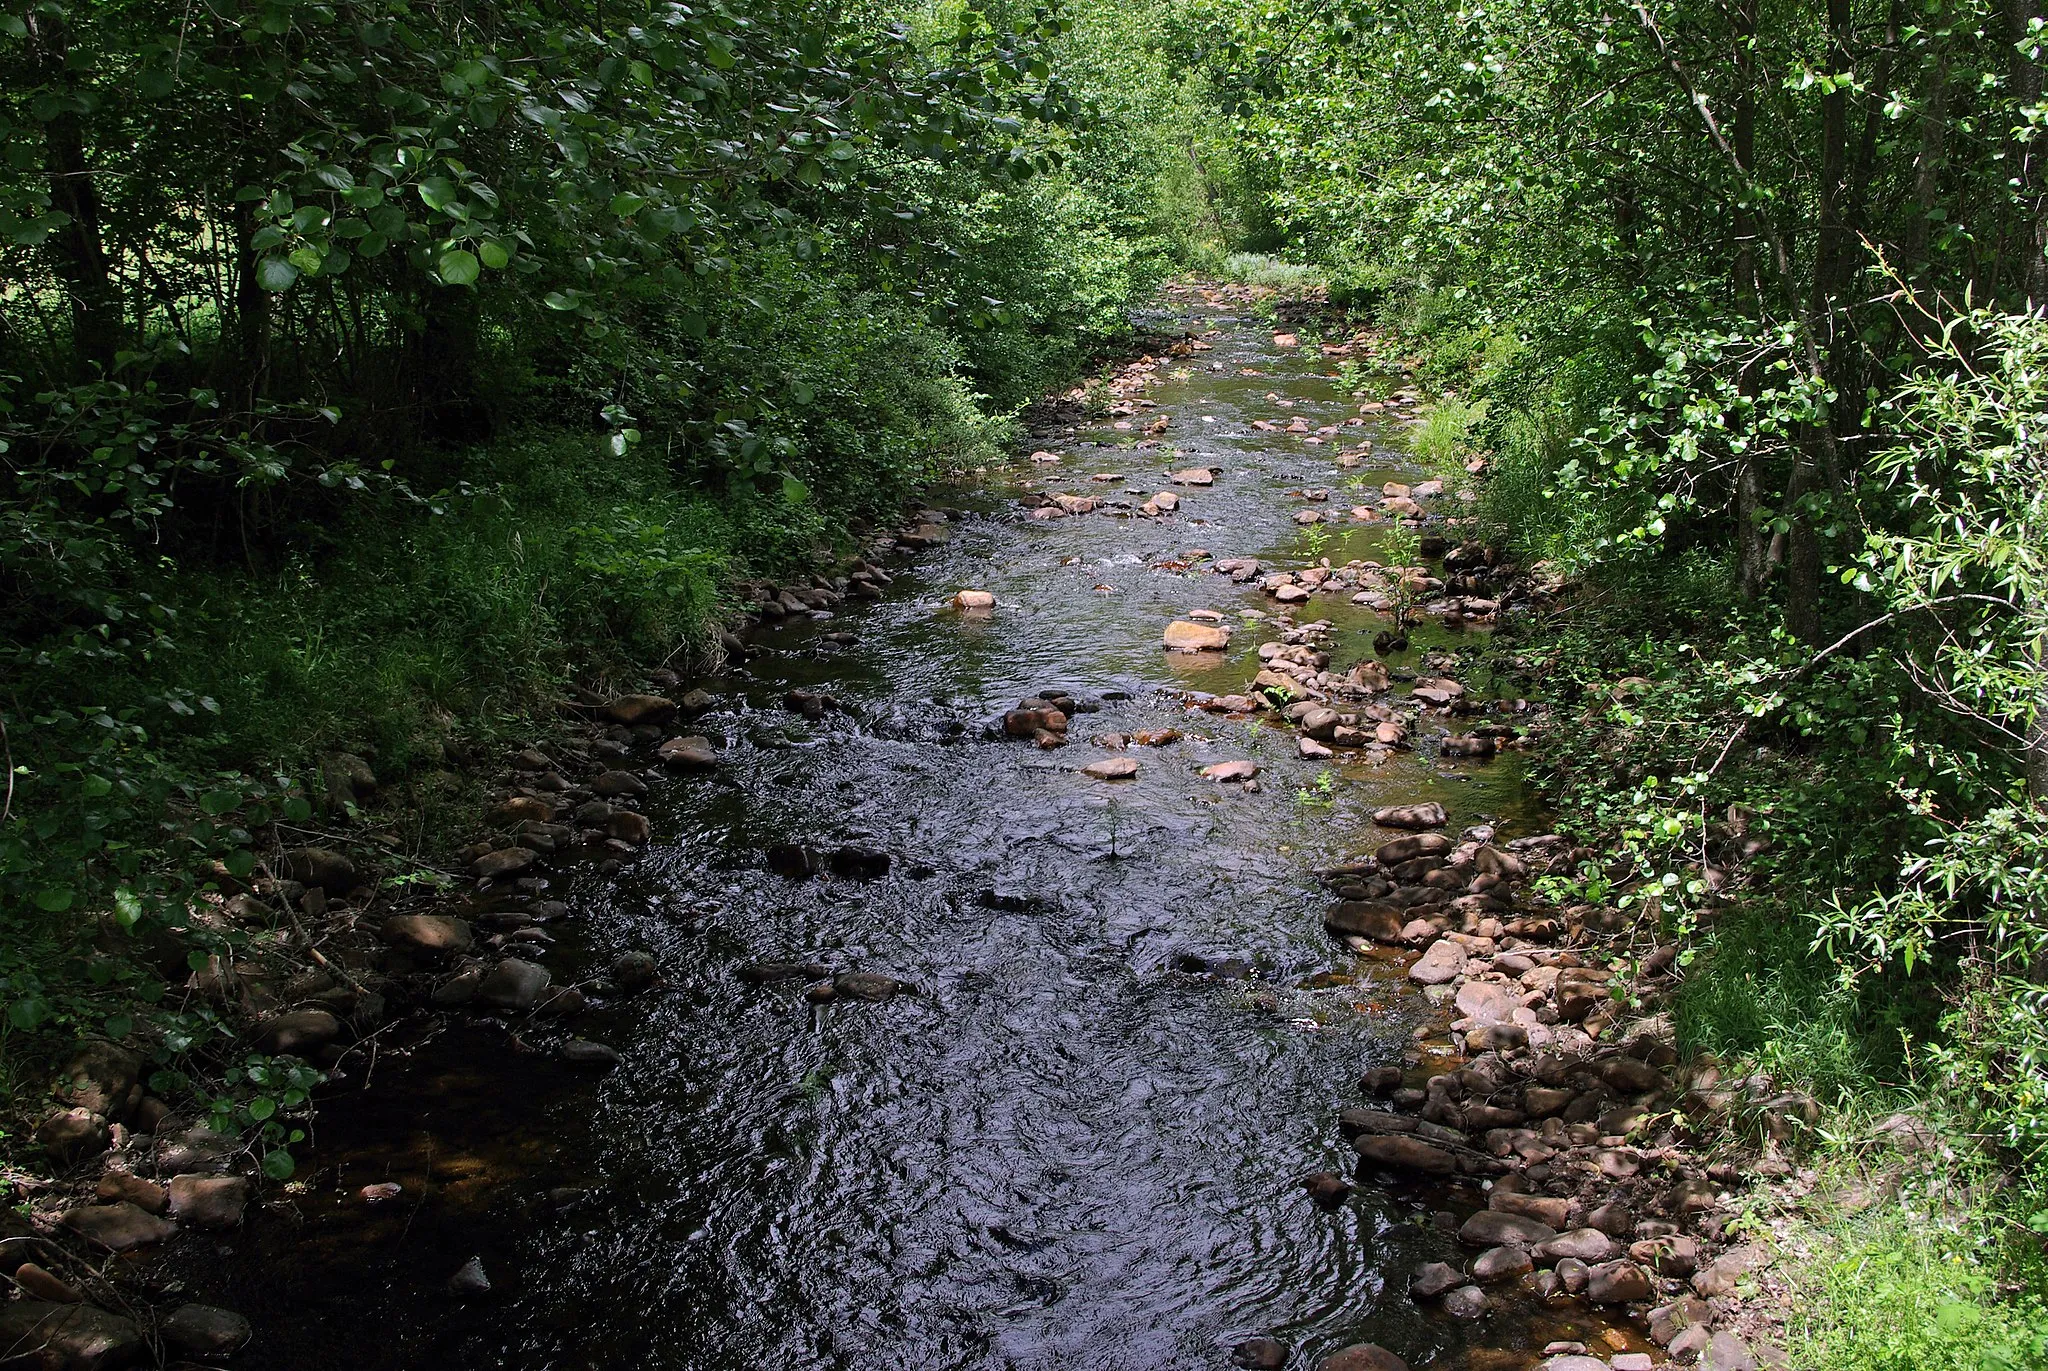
(1079, 1144)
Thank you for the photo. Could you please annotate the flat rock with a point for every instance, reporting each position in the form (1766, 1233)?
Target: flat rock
(1362, 1356)
(120, 1227)
(1429, 815)
(1571, 1361)
(214, 1202)
(1111, 769)
(1226, 772)
(201, 1330)
(634, 710)
(1184, 636)
(1194, 476)
(1588, 1245)
(583, 1052)
(71, 1337)
(436, 934)
(38, 1284)
(1495, 1228)
(1444, 962)
(1489, 1002)
(1547, 1209)
(506, 861)
(1399, 1152)
(691, 752)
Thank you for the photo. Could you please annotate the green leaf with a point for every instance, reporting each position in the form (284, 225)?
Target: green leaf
(298, 809)
(55, 898)
(275, 274)
(262, 1107)
(439, 193)
(626, 204)
(458, 268)
(794, 491)
(494, 254)
(278, 1165)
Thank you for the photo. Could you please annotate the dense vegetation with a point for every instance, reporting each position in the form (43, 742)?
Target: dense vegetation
(1743, 303)
(368, 368)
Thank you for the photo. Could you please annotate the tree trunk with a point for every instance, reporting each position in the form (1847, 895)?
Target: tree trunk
(77, 254)
(2024, 87)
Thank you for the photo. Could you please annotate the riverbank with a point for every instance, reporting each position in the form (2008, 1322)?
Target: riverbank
(955, 962)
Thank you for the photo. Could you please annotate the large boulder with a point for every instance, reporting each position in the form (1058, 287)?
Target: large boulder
(1426, 815)
(119, 1227)
(1184, 636)
(298, 1033)
(332, 871)
(214, 1202)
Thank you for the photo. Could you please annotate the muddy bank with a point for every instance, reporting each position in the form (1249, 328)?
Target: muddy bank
(946, 982)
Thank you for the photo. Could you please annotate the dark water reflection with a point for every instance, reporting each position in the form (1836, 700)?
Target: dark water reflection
(1065, 1150)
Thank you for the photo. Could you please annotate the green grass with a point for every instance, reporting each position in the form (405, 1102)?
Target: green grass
(1920, 1286)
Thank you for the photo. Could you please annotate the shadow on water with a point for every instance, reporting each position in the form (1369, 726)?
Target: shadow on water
(1077, 1145)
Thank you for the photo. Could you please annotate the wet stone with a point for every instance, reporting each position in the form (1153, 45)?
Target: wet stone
(73, 1337)
(208, 1201)
(119, 1227)
(1259, 1354)
(201, 1330)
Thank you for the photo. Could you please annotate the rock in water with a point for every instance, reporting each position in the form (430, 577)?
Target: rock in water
(469, 1280)
(1111, 769)
(974, 599)
(1430, 815)
(1184, 636)
(1363, 1356)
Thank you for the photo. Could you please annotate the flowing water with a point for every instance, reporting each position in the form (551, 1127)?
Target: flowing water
(1079, 1143)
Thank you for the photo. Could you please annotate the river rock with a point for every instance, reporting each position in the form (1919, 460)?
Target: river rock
(503, 863)
(201, 1330)
(1667, 1321)
(1672, 1254)
(1545, 1209)
(437, 935)
(68, 1337)
(1326, 1188)
(1618, 1282)
(121, 1227)
(1726, 1352)
(511, 987)
(1223, 773)
(1571, 1361)
(469, 1280)
(297, 1033)
(1502, 1264)
(1429, 815)
(974, 599)
(1111, 769)
(1444, 962)
(1729, 1268)
(583, 1052)
(1362, 1356)
(1399, 1152)
(1488, 1002)
(1184, 636)
(1365, 919)
(1496, 1228)
(1402, 850)
(1588, 1245)
(39, 1284)
(1259, 1354)
(634, 710)
(691, 752)
(867, 985)
(1437, 1278)
(1627, 1076)
(1193, 476)
(208, 1201)
(1466, 1302)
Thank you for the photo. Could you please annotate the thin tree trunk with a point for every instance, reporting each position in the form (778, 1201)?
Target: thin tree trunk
(77, 253)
